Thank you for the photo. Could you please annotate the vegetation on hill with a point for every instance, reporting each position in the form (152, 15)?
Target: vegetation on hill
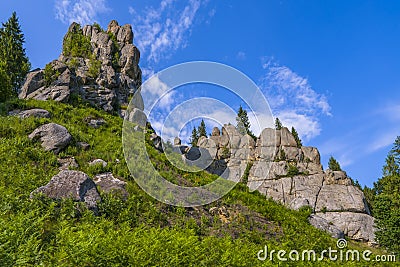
(139, 231)
(384, 200)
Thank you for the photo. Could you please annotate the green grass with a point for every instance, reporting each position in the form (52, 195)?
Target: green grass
(140, 231)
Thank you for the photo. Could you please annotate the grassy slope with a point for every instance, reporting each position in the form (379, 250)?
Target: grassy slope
(140, 231)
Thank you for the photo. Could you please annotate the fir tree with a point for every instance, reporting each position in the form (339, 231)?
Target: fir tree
(12, 53)
(202, 131)
(296, 137)
(333, 164)
(194, 138)
(243, 123)
(5, 85)
(386, 201)
(278, 124)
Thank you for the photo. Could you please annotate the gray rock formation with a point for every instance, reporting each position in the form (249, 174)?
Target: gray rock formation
(98, 162)
(293, 176)
(71, 184)
(109, 184)
(67, 164)
(324, 225)
(105, 76)
(53, 137)
(36, 113)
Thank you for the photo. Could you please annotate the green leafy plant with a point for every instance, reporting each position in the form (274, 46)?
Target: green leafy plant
(76, 44)
(50, 74)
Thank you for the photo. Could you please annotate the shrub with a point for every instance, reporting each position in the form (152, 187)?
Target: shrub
(94, 67)
(76, 44)
(50, 74)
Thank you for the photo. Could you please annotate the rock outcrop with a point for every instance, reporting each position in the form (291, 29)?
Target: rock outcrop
(53, 137)
(109, 184)
(106, 74)
(292, 175)
(71, 184)
(35, 112)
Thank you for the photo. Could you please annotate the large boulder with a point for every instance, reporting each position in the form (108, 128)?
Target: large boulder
(53, 137)
(71, 184)
(357, 226)
(106, 76)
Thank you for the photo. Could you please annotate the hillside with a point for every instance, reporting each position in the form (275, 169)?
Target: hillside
(139, 231)
(75, 182)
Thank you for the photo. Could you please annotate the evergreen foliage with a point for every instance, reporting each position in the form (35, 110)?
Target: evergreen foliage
(13, 59)
(296, 137)
(278, 124)
(385, 201)
(76, 44)
(194, 138)
(333, 164)
(50, 74)
(202, 131)
(5, 85)
(243, 123)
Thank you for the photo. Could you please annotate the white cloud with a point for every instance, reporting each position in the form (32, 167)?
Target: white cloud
(80, 11)
(161, 31)
(292, 99)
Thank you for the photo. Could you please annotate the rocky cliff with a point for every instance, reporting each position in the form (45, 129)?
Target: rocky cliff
(292, 175)
(100, 67)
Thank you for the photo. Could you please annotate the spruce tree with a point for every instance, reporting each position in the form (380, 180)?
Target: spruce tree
(296, 137)
(333, 164)
(386, 202)
(5, 85)
(12, 52)
(202, 131)
(278, 124)
(194, 138)
(243, 123)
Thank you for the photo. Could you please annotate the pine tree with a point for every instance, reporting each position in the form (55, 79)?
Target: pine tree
(296, 137)
(278, 124)
(386, 201)
(194, 138)
(12, 53)
(5, 85)
(243, 123)
(202, 131)
(333, 164)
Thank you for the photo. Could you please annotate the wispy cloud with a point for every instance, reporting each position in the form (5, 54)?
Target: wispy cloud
(241, 55)
(293, 99)
(164, 29)
(80, 11)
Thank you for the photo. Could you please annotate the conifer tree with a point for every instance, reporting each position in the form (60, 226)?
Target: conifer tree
(5, 85)
(333, 164)
(194, 138)
(202, 131)
(278, 124)
(243, 123)
(386, 202)
(296, 137)
(12, 53)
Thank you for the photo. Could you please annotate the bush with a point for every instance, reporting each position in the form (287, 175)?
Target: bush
(94, 67)
(50, 74)
(76, 44)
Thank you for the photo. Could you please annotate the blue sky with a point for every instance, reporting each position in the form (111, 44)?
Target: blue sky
(330, 68)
